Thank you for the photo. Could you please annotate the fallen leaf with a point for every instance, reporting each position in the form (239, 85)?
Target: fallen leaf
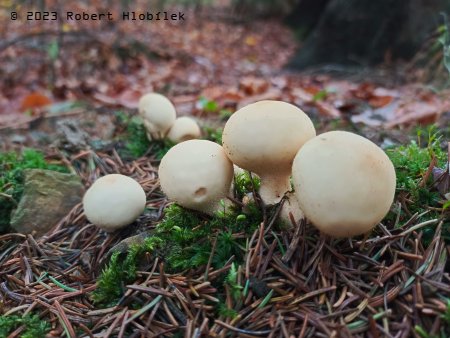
(33, 101)
(272, 94)
(250, 40)
(325, 108)
(129, 98)
(380, 101)
(414, 112)
(253, 86)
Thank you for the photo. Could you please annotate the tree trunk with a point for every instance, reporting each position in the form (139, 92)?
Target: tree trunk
(365, 32)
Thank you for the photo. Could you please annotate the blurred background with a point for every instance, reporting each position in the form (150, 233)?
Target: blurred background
(381, 65)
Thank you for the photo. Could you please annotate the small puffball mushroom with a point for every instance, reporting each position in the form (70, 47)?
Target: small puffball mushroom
(114, 201)
(264, 138)
(184, 128)
(345, 184)
(158, 114)
(196, 174)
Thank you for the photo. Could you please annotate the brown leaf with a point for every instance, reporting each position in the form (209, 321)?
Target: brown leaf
(129, 98)
(380, 101)
(328, 109)
(441, 179)
(325, 108)
(253, 86)
(414, 112)
(272, 94)
(33, 101)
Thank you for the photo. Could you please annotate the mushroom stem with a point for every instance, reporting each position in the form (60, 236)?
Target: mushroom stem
(273, 187)
(216, 206)
(291, 206)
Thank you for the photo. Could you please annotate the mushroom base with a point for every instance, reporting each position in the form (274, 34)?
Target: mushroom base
(273, 188)
(212, 207)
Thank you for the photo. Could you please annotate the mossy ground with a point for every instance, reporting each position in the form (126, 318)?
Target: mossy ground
(135, 142)
(185, 242)
(34, 327)
(184, 239)
(12, 165)
(415, 185)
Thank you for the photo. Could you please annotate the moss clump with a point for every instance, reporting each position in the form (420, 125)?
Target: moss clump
(184, 239)
(111, 284)
(245, 183)
(411, 164)
(12, 166)
(213, 134)
(188, 237)
(135, 140)
(224, 311)
(34, 326)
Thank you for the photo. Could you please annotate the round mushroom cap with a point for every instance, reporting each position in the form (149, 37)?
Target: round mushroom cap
(196, 174)
(345, 184)
(114, 201)
(184, 128)
(265, 136)
(159, 113)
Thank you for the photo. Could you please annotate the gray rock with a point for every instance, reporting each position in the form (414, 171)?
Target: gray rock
(71, 136)
(47, 197)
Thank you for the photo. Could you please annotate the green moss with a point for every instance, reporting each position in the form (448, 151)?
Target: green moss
(224, 311)
(232, 281)
(244, 183)
(111, 284)
(225, 114)
(135, 140)
(12, 166)
(213, 134)
(187, 237)
(411, 163)
(34, 326)
(184, 240)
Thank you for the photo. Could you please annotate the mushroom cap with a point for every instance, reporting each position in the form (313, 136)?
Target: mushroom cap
(345, 184)
(114, 201)
(265, 136)
(159, 113)
(184, 128)
(196, 174)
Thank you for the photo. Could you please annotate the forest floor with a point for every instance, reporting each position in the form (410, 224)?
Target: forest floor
(293, 283)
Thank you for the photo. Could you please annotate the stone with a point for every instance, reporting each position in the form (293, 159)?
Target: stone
(48, 196)
(71, 136)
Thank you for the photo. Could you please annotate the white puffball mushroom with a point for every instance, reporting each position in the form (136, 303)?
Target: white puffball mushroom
(114, 201)
(345, 184)
(196, 174)
(184, 128)
(291, 206)
(264, 137)
(158, 114)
